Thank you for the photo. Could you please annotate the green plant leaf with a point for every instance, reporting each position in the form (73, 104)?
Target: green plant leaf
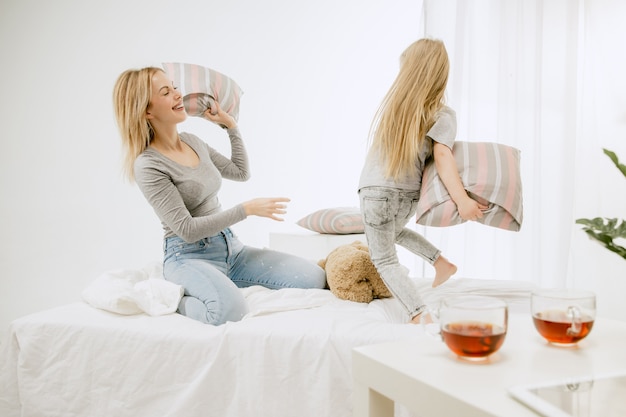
(605, 231)
(615, 160)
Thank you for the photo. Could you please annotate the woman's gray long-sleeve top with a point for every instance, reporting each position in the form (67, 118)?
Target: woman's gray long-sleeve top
(185, 198)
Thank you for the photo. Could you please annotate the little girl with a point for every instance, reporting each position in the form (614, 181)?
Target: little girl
(411, 125)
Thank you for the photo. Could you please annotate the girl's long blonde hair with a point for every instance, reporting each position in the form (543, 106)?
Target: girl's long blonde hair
(131, 98)
(408, 110)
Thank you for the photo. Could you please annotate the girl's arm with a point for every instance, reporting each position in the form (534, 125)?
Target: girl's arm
(445, 163)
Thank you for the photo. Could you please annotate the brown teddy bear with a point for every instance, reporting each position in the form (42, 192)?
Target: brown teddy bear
(351, 275)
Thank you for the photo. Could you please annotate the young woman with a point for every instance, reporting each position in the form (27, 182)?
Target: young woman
(180, 176)
(411, 125)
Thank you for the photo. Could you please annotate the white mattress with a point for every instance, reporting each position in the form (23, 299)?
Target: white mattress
(290, 356)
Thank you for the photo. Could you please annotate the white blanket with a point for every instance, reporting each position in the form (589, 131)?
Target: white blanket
(129, 291)
(290, 356)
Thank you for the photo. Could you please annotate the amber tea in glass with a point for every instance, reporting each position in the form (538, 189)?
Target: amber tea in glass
(473, 339)
(563, 316)
(473, 327)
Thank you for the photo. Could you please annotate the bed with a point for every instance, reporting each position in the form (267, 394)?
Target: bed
(289, 356)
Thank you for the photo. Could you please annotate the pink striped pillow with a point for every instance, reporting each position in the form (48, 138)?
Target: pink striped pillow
(334, 221)
(490, 173)
(202, 86)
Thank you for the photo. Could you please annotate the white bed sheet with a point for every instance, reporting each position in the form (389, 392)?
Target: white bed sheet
(291, 356)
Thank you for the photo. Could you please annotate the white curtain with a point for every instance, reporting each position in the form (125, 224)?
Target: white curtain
(529, 73)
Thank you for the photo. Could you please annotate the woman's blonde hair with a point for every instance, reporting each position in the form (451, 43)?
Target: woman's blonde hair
(131, 98)
(408, 110)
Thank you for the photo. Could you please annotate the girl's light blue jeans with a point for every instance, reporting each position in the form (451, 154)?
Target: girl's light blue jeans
(212, 270)
(386, 212)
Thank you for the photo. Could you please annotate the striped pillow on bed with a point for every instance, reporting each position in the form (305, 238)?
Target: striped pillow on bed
(334, 221)
(202, 86)
(490, 173)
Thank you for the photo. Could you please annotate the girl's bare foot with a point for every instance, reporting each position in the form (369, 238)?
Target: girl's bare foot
(416, 319)
(444, 269)
(422, 318)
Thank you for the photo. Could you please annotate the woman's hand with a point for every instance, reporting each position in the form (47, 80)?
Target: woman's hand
(219, 116)
(267, 207)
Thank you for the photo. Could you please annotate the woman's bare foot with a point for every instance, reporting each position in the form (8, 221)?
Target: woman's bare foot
(444, 269)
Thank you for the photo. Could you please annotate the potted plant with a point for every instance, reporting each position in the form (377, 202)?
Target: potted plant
(604, 230)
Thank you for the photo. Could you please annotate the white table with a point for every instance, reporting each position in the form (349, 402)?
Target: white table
(429, 380)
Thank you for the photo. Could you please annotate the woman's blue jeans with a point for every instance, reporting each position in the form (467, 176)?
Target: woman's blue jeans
(212, 270)
(386, 212)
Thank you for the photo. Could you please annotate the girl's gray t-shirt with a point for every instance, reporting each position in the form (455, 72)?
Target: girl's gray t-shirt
(185, 198)
(373, 173)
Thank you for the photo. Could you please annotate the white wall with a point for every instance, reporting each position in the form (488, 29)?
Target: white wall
(313, 74)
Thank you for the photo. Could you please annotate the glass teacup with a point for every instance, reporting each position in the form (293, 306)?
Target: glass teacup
(563, 316)
(473, 327)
